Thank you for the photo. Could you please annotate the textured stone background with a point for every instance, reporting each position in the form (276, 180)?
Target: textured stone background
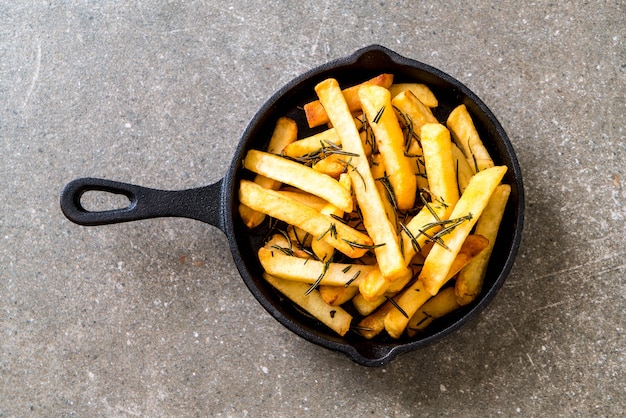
(152, 318)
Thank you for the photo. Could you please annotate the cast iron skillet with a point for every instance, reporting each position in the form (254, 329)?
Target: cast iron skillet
(216, 204)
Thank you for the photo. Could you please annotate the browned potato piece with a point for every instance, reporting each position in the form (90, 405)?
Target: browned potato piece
(316, 113)
(285, 132)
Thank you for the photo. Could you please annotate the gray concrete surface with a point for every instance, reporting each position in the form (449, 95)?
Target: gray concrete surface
(151, 318)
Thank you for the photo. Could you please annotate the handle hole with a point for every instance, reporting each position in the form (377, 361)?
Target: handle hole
(100, 201)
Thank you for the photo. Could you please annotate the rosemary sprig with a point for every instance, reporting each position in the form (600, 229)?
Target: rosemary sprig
(327, 148)
(379, 114)
(353, 278)
(456, 169)
(338, 218)
(429, 207)
(350, 165)
(447, 225)
(369, 134)
(332, 229)
(395, 305)
(427, 316)
(409, 131)
(319, 279)
(469, 147)
(286, 251)
(453, 223)
(354, 244)
(389, 190)
(414, 242)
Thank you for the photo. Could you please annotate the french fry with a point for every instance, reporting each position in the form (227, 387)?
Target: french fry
(407, 303)
(299, 236)
(285, 132)
(469, 282)
(471, 247)
(337, 295)
(380, 230)
(416, 157)
(468, 209)
(437, 149)
(334, 317)
(374, 323)
(414, 296)
(280, 264)
(439, 305)
(332, 166)
(308, 199)
(312, 144)
(376, 104)
(300, 176)
(421, 91)
(411, 108)
(466, 137)
(365, 307)
(316, 114)
(344, 238)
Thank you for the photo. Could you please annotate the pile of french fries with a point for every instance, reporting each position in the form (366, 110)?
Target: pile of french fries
(385, 208)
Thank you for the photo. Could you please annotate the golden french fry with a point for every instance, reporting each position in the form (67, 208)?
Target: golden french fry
(472, 246)
(333, 165)
(299, 236)
(466, 137)
(308, 199)
(334, 317)
(407, 303)
(285, 132)
(469, 282)
(374, 323)
(316, 114)
(365, 307)
(344, 238)
(300, 176)
(416, 157)
(413, 111)
(337, 295)
(468, 209)
(312, 145)
(439, 305)
(421, 91)
(414, 296)
(380, 230)
(374, 285)
(437, 149)
(281, 264)
(376, 103)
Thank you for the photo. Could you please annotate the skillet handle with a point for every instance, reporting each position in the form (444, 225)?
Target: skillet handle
(202, 204)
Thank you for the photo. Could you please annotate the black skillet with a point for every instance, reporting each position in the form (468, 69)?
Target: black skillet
(217, 203)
